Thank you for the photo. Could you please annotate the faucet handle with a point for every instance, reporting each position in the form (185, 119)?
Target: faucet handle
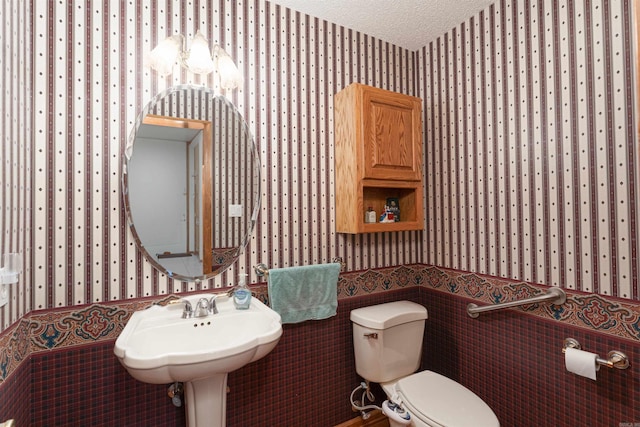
(187, 313)
(213, 309)
(202, 307)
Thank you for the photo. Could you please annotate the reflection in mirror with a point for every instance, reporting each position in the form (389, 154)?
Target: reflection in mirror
(191, 183)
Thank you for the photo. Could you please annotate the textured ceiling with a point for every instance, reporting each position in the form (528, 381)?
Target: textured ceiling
(410, 24)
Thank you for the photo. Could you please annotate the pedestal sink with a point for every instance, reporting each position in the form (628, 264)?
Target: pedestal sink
(158, 346)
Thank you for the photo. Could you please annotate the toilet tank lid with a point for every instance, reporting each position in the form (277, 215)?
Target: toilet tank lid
(383, 316)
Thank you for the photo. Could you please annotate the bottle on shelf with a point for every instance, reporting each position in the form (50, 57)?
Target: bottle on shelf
(370, 215)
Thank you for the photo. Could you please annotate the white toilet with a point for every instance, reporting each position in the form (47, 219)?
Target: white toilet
(387, 341)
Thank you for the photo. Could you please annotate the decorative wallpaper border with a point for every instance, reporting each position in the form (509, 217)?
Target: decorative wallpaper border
(77, 326)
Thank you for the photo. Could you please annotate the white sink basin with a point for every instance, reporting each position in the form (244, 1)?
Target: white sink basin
(158, 346)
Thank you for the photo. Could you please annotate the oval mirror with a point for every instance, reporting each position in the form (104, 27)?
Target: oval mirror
(191, 182)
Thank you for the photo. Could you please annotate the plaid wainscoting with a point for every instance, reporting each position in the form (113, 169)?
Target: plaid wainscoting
(66, 356)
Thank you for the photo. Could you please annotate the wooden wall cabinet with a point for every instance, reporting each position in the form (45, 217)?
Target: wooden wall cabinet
(378, 154)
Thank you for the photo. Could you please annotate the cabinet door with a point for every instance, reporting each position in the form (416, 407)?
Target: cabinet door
(392, 133)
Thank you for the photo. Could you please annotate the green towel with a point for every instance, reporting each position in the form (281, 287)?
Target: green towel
(304, 293)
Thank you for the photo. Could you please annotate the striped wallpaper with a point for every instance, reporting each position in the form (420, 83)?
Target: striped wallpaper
(96, 82)
(15, 150)
(529, 162)
(531, 154)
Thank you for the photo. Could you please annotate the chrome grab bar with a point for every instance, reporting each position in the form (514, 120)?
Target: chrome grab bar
(556, 295)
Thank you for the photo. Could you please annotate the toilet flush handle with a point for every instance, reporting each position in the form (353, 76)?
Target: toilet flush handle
(372, 335)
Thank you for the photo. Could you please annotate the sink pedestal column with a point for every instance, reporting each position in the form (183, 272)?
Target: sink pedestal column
(206, 401)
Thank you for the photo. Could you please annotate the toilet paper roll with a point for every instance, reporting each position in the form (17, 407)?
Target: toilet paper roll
(581, 362)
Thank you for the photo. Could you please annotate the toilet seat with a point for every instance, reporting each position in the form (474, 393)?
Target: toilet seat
(441, 402)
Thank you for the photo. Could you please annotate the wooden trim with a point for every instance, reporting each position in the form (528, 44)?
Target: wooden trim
(376, 419)
(207, 200)
(174, 122)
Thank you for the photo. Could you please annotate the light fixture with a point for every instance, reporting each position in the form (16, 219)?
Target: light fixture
(197, 60)
(164, 56)
(230, 77)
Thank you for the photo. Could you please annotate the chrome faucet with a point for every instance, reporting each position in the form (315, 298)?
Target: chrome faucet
(204, 307)
(187, 312)
(213, 309)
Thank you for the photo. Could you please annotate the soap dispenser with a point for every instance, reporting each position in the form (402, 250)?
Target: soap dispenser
(242, 294)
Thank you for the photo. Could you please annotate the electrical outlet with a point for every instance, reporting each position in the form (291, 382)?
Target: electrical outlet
(235, 211)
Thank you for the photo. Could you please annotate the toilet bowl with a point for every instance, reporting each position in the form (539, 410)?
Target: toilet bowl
(434, 400)
(387, 341)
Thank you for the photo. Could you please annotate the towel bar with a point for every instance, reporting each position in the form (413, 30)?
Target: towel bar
(556, 295)
(262, 270)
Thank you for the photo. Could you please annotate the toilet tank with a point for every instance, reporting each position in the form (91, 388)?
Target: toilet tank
(387, 340)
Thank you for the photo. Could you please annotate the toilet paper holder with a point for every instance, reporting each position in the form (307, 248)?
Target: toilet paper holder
(615, 359)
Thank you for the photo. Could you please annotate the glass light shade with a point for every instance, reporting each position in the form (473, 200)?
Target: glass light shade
(199, 60)
(230, 76)
(164, 56)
